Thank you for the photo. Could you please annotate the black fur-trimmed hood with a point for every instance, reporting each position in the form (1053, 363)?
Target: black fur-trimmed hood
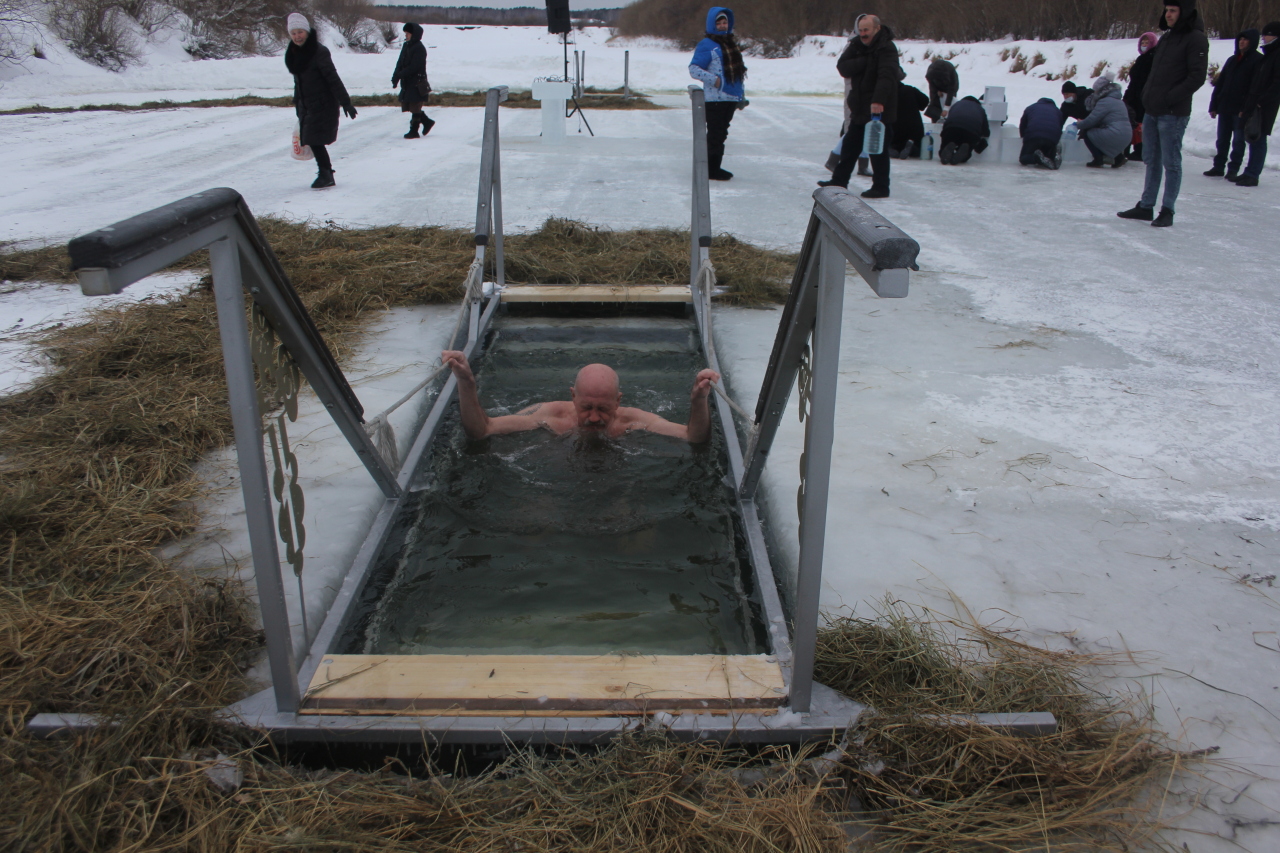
(296, 59)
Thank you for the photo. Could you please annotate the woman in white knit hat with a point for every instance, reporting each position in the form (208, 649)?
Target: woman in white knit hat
(317, 94)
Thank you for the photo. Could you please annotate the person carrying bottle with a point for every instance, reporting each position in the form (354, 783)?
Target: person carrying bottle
(317, 94)
(717, 62)
(944, 86)
(870, 64)
(411, 75)
(1107, 129)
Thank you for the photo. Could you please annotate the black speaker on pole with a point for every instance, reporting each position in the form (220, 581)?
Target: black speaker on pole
(558, 16)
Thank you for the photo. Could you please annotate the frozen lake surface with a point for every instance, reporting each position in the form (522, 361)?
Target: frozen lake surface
(1071, 425)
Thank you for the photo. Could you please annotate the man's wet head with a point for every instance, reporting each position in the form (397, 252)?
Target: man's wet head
(596, 396)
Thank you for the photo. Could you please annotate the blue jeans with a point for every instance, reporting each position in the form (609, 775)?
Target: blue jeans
(1162, 152)
(1257, 151)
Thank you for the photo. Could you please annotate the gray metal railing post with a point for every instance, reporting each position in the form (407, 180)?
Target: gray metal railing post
(626, 74)
(500, 264)
(233, 328)
(819, 436)
(700, 221)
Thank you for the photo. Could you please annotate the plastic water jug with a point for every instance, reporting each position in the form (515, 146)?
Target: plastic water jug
(873, 137)
(928, 145)
(1071, 133)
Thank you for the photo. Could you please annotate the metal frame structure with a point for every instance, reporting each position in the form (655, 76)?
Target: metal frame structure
(841, 228)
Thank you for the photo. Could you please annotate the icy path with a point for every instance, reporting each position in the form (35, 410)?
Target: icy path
(1072, 419)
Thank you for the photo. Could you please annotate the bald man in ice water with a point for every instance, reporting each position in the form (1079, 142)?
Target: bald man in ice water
(594, 407)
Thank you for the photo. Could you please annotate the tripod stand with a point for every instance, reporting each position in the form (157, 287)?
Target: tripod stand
(577, 108)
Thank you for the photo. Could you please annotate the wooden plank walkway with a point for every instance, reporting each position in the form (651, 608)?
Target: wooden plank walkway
(596, 293)
(544, 685)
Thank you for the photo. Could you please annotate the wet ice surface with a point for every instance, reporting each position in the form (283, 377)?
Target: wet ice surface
(579, 544)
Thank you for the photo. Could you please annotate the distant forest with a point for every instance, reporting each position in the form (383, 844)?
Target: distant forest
(774, 27)
(526, 16)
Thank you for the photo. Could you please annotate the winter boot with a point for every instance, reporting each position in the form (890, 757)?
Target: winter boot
(1215, 172)
(413, 129)
(1146, 214)
(1232, 176)
(1045, 162)
(832, 184)
(1165, 219)
(1119, 161)
(875, 192)
(947, 154)
(323, 180)
(962, 155)
(427, 124)
(715, 156)
(1096, 163)
(1246, 181)
(864, 167)
(1057, 157)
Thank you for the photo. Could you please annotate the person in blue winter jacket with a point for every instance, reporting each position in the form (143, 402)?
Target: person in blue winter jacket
(717, 62)
(1041, 131)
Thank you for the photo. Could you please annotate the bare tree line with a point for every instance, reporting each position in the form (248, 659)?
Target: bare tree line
(774, 27)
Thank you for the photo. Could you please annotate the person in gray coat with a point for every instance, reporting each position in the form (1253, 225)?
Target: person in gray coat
(1106, 130)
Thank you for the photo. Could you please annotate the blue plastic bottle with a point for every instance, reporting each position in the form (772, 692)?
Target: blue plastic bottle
(873, 137)
(1071, 133)
(928, 145)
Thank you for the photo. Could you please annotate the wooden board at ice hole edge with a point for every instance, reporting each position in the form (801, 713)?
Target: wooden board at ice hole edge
(545, 684)
(596, 293)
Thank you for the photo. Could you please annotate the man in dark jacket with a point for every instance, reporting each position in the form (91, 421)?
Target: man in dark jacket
(1227, 102)
(317, 94)
(944, 83)
(1041, 131)
(1263, 101)
(1178, 68)
(964, 132)
(1073, 101)
(870, 64)
(411, 75)
(1138, 74)
(908, 130)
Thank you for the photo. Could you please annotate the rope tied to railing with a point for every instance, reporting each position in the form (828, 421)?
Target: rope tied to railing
(378, 427)
(704, 287)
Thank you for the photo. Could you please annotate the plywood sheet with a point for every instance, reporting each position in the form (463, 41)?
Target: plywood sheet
(544, 684)
(596, 293)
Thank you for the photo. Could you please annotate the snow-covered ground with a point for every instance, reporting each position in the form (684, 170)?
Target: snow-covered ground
(1071, 423)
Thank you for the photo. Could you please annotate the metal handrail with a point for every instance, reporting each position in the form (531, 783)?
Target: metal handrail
(807, 348)
(700, 209)
(110, 259)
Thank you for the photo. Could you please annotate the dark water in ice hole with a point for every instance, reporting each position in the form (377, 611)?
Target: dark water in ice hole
(544, 544)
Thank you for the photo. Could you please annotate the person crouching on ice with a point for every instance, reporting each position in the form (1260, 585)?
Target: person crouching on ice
(717, 62)
(317, 94)
(411, 74)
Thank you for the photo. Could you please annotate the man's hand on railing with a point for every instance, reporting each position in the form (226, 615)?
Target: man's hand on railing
(350, 111)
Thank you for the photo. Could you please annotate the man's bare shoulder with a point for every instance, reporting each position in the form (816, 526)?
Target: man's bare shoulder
(552, 409)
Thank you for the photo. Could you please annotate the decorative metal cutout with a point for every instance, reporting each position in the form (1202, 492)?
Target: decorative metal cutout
(279, 380)
(804, 385)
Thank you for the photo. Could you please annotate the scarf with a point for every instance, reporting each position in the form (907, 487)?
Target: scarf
(734, 70)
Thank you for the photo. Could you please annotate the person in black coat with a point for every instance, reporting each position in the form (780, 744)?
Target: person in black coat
(317, 94)
(1073, 101)
(908, 130)
(1263, 101)
(1178, 67)
(1229, 91)
(965, 131)
(870, 64)
(944, 85)
(411, 75)
(1138, 73)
